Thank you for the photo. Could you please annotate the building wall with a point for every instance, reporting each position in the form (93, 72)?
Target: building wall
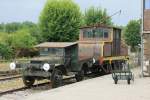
(146, 33)
(147, 20)
(146, 37)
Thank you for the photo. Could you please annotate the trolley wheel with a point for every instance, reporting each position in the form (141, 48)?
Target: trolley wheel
(56, 78)
(128, 81)
(28, 81)
(116, 80)
(79, 76)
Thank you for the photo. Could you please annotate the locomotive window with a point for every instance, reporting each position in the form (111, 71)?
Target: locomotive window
(99, 33)
(88, 34)
(147, 4)
(105, 34)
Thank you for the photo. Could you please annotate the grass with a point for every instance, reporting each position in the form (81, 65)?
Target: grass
(12, 84)
(16, 83)
(4, 66)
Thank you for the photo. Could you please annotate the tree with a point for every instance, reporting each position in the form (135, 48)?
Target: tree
(60, 20)
(2, 27)
(12, 27)
(95, 16)
(132, 34)
(21, 40)
(5, 49)
(33, 29)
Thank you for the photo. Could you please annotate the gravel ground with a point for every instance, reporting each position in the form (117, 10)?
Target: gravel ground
(93, 89)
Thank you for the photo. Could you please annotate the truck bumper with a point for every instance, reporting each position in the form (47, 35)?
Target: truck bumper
(37, 73)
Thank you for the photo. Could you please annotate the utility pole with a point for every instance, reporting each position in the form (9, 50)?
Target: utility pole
(142, 42)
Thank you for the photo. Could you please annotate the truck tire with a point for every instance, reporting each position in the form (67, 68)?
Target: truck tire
(79, 76)
(28, 81)
(57, 78)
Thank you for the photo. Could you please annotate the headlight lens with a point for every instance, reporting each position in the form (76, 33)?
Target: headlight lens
(12, 66)
(94, 61)
(46, 66)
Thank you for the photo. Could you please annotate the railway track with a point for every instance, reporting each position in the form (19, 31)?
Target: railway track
(10, 78)
(42, 84)
(8, 73)
(25, 88)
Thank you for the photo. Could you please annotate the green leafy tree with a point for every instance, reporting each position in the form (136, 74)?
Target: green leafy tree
(132, 34)
(5, 49)
(2, 25)
(33, 29)
(60, 20)
(96, 15)
(12, 27)
(21, 40)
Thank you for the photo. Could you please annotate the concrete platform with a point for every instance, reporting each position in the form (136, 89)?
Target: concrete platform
(101, 88)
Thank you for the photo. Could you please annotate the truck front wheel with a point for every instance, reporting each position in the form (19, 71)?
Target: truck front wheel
(28, 81)
(57, 78)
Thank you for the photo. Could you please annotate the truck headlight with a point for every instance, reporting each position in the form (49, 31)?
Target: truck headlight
(12, 66)
(46, 66)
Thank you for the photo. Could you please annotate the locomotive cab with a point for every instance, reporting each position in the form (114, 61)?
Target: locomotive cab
(102, 43)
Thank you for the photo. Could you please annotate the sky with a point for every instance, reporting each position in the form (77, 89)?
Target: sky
(29, 10)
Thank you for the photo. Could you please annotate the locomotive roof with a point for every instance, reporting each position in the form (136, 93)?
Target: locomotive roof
(99, 25)
(55, 44)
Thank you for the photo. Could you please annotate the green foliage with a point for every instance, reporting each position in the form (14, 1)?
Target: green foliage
(2, 27)
(95, 16)
(12, 44)
(132, 34)
(5, 51)
(12, 27)
(60, 20)
(22, 39)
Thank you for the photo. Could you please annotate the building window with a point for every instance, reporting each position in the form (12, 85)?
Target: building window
(147, 4)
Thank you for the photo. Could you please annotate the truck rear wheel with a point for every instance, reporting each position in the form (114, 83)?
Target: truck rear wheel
(28, 81)
(79, 76)
(57, 78)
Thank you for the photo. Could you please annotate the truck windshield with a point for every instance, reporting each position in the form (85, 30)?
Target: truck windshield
(52, 52)
(51, 55)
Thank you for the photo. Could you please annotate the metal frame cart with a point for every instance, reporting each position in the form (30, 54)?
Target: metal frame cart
(122, 71)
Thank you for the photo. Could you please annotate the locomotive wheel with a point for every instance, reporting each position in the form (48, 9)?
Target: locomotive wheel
(79, 76)
(57, 78)
(28, 81)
